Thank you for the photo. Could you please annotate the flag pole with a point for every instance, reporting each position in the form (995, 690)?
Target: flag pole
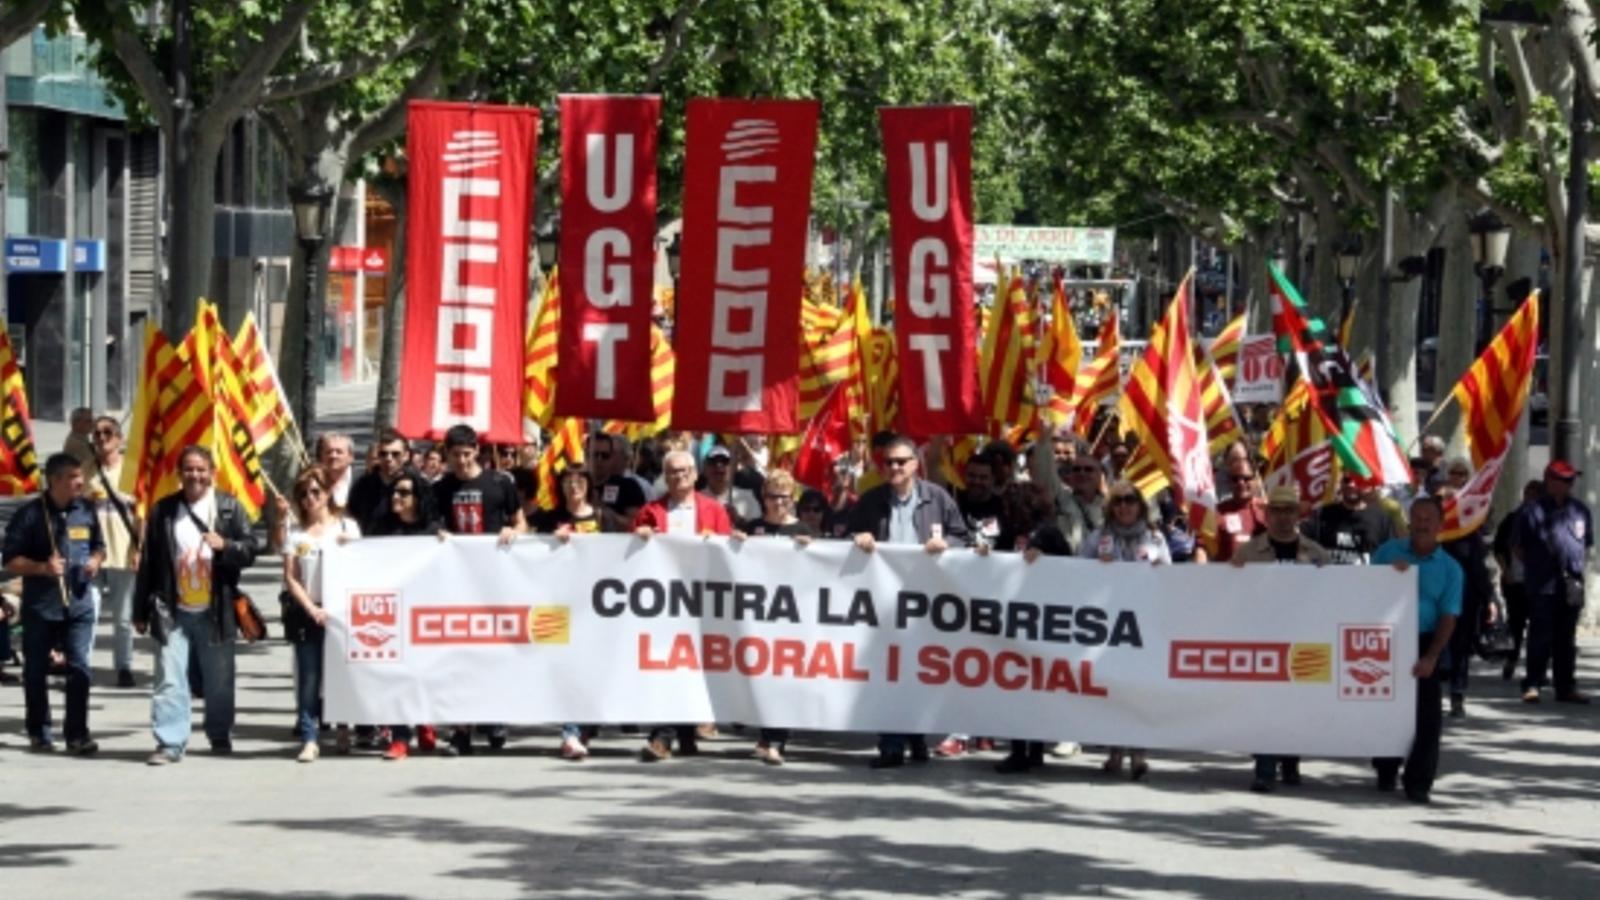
(1437, 411)
(50, 533)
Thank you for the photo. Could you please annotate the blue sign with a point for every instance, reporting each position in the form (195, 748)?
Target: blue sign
(28, 255)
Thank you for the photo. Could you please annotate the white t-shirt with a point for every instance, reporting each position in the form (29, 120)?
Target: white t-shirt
(191, 557)
(341, 489)
(307, 549)
(681, 517)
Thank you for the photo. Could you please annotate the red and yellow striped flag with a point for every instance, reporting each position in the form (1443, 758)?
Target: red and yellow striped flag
(1225, 348)
(539, 355)
(883, 381)
(1222, 422)
(1146, 475)
(141, 467)
(662, 366)
(1492, 395)
(1099, 380)
(19, 460)
(1004, 363)
(270, 415)
(1299, 449)
(830, 346)
(1163, 404)
(1060, 354)
(233, 447)
(564, 449)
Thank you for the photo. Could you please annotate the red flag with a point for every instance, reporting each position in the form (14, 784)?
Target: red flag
(747, 202)
(608, 226)
(928, 151)
(826, 439)
(470, 202)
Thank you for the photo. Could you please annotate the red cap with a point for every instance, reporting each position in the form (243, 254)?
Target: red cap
(1561, 469)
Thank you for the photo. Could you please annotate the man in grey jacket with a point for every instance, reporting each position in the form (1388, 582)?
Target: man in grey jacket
(906, 509)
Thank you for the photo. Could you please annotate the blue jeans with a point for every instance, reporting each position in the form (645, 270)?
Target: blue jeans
(118, 595)
(170, 702)
(308, 687)
(39, 637)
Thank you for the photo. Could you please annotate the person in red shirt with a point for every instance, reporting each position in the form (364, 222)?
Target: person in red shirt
(1243, 514)
(682, 510)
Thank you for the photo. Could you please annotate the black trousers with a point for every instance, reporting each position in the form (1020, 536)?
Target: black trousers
(1422, 764)
(1552, 642)
(687, 737)
(1516, 615)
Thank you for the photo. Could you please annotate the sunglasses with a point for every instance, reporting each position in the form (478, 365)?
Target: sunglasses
(718, 461)
(898, 461)
(1084, 470)
(778, 498)
(104, 433)
(1125, 498)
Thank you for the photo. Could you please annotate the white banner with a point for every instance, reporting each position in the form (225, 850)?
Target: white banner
(1014, 243)
(1259, 378)
(611, 628)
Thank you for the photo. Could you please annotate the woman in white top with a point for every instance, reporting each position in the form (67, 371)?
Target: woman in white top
(1127, 536)
(319, 525)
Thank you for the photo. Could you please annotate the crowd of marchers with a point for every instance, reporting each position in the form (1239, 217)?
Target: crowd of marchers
(1512, 590)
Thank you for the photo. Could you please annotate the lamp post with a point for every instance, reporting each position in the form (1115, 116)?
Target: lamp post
(311, 207)
(1349, 260)
(1490, 238)
(549, 247)
(674, 262)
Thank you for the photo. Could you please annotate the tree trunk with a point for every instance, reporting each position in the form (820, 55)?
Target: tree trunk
(394, 310)
(1415, 233)
(1458, 324)
(192, 225)
(1588, 352)
(1253, 262)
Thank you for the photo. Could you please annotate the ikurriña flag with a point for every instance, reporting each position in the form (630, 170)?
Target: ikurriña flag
(1492, 394)
(19, 463)
(1357, 423)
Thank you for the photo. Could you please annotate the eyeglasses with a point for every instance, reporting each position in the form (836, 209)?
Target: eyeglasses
(898, 461)
(678, 473)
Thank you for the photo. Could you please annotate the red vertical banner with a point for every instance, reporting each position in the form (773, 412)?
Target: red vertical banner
(470, 203)
(928, 150)
(747, 200)
(608, 228)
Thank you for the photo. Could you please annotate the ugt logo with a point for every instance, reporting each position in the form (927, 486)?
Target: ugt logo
(374, 626)
(1366, 662)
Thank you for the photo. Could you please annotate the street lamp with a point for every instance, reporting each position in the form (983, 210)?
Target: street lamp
(1490, 238)
(312, 204)
(549, 246)
(1349, 260)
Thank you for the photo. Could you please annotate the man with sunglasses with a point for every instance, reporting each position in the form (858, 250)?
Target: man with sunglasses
(906, 510)
(1242, 515)
(741, 504)
(621, 494)
(119, 525)
(372, 494)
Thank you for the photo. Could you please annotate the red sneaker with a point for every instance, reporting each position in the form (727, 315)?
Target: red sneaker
(951, 747)
(427, 739)
(397, 750)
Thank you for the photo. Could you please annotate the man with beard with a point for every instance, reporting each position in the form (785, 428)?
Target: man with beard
(1350, 528)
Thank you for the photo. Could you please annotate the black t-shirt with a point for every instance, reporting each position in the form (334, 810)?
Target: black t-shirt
(763, 528)
(983, 516)
(1285, 552)
(549, 521)
(621, 493)
(481, 505)
(391, 526)
(1350, 535)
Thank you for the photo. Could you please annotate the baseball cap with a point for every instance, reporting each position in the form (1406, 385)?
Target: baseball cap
(1284, 495)
(1561, 469)
(719, 452)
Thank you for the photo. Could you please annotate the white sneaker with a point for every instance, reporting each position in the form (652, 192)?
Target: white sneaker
(573, 749)
(309, 752)
(1066, 749)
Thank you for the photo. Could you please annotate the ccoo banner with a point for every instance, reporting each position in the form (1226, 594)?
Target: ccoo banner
(747, 201)
(611, 628)
(470, 204)
(608, 227)
(928, 150)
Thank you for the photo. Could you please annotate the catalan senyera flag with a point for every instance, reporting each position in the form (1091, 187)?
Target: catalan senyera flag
(1298, 449)
(662, 363)
(1141, 469)
(142, 459)
(1163, 404)
(1225, 347)
(1100, 380)
(270, 415)
(1222, 421)
(1059, 355)
(187, 404)
(234, 447)
(1492, 394)
(1358, 424)
(564, 449)
(19, 460)
(1005, 363)
(539, 355)
(955, 455)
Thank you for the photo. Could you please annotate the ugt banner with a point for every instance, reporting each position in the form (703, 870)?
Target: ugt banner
(470, 205)
(747, 199)
(612, 628)
(928, 151)
(608, 228)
